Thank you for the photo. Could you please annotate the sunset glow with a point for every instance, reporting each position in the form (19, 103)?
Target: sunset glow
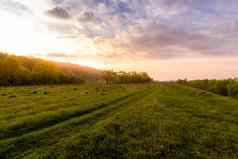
(168, 39)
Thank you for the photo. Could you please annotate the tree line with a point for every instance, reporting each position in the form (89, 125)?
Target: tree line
(126, 77)
(19, 70)
(227, 87)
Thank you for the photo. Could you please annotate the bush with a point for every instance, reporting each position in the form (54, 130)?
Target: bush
(126, 77)
(228, 87)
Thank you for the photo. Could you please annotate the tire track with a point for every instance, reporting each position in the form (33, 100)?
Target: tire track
(101, 121)
(47, 136)
(48, 119)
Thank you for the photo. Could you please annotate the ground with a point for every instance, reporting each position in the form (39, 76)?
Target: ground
(161, 120)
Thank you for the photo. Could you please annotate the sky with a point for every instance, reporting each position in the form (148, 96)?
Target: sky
(193, 39)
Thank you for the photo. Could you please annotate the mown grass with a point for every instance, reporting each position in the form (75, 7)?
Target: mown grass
(120, 121)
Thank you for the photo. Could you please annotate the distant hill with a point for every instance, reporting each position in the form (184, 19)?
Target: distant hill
(21, 70)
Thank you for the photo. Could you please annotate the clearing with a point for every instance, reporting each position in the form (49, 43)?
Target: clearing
(162, 120)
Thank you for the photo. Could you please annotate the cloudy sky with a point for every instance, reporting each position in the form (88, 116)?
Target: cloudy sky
(168, 39)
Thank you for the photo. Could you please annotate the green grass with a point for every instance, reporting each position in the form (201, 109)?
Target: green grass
(120, 121)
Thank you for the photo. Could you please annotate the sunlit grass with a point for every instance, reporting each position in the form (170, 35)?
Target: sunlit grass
(118, 121)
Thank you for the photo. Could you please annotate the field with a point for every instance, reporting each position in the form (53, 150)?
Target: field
(161, 120)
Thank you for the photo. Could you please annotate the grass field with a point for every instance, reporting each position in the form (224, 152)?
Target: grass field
(119, 121)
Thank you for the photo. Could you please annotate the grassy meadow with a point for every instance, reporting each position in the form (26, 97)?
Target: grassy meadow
(134, 121)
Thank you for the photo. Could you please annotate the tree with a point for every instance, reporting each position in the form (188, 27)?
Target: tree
(109, 76)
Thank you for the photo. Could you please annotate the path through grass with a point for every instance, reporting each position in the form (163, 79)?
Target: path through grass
(121, 121)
